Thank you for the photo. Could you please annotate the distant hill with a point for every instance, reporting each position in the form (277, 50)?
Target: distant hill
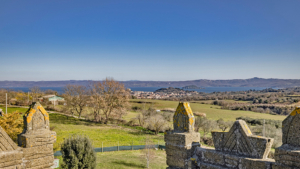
(253, 82)
(169, 90)
(191, 87)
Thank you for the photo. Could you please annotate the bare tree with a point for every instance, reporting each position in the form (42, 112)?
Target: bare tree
(21, 98)
(199, 122)
(157, 123)
(108, 97)
(76, 97)
(49, 91)
(223, 125)
(208, 126)
(142, 116)
(35, 93)
(148, 153)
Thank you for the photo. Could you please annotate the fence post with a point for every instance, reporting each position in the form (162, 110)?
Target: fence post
(132, 145)
(118, 145)
(102, 147)
(264, 128)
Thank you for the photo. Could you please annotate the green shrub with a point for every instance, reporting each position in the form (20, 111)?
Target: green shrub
(78, 152)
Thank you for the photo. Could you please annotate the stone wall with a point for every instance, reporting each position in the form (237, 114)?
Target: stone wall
(35, 150)
(236, 149)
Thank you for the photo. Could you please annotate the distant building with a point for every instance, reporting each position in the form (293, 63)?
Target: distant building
(56, 98)
(52, 98)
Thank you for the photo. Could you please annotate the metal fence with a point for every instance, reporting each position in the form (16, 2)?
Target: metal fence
(119, 148)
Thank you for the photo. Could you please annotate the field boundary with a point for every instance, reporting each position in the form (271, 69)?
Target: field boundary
(119, 148)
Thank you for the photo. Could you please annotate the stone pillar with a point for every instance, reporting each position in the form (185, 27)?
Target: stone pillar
(37, 139)
(180, 140)
(288, 155)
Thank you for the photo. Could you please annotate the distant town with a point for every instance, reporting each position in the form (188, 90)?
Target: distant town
(159, 95)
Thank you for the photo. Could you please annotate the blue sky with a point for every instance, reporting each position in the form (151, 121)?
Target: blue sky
(149, 39)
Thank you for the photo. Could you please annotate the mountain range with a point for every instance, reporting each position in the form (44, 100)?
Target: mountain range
(253, 82)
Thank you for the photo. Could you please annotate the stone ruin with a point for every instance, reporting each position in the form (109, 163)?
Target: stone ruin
(179, 142)
(35, 150)
(236, 149)
(288, 154)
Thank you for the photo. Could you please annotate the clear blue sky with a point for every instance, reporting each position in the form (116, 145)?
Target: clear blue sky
(149, 39)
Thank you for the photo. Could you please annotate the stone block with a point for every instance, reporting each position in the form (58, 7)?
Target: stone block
(280, 166)
(213, 157)
(232, 161)
(179, 147)
(210, 166)
(247, 163)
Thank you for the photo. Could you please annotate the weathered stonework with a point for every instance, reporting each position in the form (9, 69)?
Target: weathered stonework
(36, 143)
(240, 141)
(237, 149)
(209, 158)
(180, 141)
(288, 155)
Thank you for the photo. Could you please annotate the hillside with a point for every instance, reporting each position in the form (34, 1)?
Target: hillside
(253, 82)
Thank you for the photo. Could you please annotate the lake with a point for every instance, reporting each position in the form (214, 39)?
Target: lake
(152, 89)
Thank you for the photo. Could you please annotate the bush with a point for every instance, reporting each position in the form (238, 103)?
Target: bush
(78, 152)
(12, 123)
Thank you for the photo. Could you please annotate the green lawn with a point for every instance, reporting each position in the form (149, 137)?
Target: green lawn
(12, 109)
(128, 160)
(211, 111)
(109, 135)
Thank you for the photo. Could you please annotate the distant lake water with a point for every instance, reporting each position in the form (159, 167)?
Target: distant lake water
(205, 90)
(27, 89)
(152, 89)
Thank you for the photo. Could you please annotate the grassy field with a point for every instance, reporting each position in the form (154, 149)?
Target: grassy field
(128, 160)
(211, 111)
(12, 109)
(109, 135)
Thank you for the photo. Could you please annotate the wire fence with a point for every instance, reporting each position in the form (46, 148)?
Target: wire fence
(119, 148)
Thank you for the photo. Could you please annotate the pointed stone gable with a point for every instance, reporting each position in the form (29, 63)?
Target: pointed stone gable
(291, 128)
(240, 140)
(6, 143)
(36, 118)
(183, 119)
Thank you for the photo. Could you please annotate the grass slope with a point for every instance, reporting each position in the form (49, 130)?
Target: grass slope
(128, 160)
(211, 111)
(98, 133)
(12, 109)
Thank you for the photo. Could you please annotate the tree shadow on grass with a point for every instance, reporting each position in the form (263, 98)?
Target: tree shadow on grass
(138, 133)
(129, 164)
(63, 119)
